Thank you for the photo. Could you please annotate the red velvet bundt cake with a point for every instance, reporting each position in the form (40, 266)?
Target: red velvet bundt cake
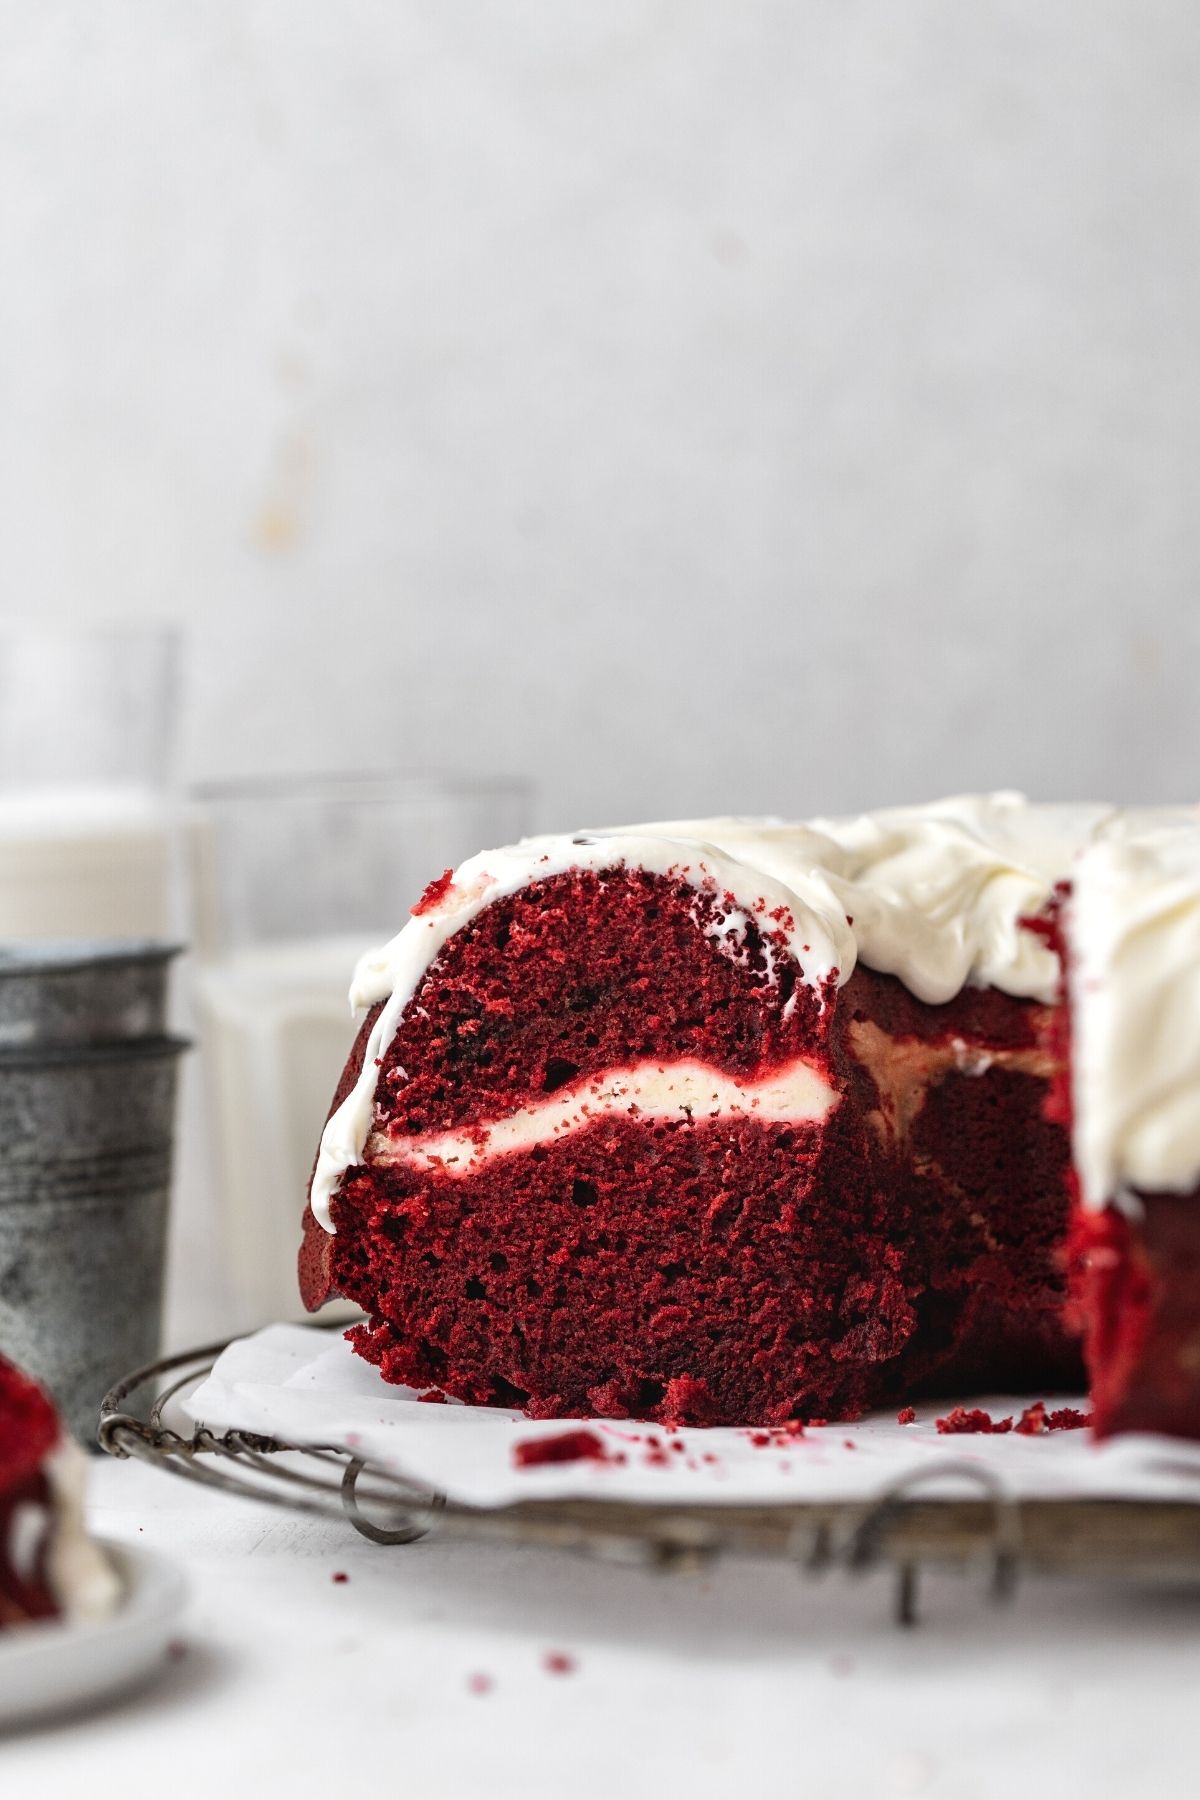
(732, 1122)
(48, 1566)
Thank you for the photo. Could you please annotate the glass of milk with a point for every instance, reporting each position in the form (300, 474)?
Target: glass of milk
(87, 814)
(294, 880)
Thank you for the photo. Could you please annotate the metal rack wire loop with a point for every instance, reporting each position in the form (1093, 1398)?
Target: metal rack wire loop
(904, 1528)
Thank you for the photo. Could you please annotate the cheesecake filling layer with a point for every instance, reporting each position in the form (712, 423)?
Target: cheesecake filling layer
(682, 1092)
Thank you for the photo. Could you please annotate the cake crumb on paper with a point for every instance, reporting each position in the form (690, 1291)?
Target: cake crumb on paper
(580, 1445)
(962, 1419)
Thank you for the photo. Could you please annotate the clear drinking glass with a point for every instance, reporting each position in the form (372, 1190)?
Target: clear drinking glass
(294, 880)
(87, 814)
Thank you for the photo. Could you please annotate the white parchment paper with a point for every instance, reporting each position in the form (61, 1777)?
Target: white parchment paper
(299, 1383)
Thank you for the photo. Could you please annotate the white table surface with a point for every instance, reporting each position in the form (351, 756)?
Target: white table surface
(748, 1680)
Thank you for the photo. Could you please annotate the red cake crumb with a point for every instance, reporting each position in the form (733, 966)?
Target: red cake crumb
(962, 1419)
(1035, 1420)
(564, 1447)
(907, 1415)
(688, 1401)
(558, 1662)
(479, 1683)
(434, 1397)
(1068, 1418)
(777, 1435)
(339, 1575)
(434, 894)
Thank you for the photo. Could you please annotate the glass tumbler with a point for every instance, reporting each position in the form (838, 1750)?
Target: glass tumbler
(87, 816)
(294, 880)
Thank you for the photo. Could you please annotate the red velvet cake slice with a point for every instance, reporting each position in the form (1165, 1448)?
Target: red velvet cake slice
(48, 1566)
(713, 1122)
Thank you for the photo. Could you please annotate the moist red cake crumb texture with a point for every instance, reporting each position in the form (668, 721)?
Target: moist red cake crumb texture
(702, 1270)
(564, 1447)
(29, 1431)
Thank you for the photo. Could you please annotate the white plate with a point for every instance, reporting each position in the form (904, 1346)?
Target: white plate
(51, 1667)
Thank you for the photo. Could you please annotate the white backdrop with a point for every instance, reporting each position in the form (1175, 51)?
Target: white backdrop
(698, 406)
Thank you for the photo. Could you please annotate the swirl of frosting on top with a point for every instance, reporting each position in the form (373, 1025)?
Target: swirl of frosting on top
(936, 894)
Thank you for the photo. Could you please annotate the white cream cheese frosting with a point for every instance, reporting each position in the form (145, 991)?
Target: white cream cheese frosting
(1133, 924)
(934, 895)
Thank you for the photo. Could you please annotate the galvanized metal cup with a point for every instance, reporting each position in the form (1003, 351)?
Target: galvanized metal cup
(87, 1107)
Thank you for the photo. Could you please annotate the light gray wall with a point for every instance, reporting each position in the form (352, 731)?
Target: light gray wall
(698, 405)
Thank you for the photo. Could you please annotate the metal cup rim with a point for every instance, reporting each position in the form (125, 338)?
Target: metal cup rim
(73, 956)
(131, 1049)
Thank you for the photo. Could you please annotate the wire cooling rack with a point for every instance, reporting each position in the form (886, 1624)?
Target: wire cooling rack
(900, 1529)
